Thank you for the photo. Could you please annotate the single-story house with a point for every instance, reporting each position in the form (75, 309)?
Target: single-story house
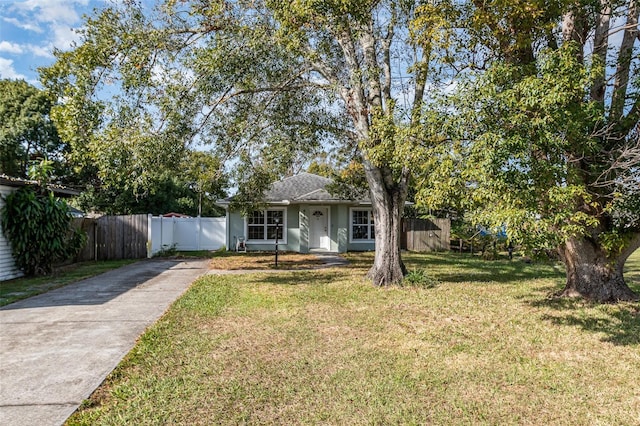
(8, 269)
(307, 216)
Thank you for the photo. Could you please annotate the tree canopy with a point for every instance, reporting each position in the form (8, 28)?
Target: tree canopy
(546, 137)
(26, 131)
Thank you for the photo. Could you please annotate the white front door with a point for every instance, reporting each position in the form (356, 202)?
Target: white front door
(319, 228)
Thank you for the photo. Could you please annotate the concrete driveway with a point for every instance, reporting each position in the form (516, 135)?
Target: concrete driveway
(58, 347)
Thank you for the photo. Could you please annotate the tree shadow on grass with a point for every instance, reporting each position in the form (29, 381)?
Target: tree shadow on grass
(306, 277)
(619, 323)
(454, 268)
(505, 275)
(499, 271)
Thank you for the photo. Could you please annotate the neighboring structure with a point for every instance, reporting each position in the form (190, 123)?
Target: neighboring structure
(8, 269)
(308, 216)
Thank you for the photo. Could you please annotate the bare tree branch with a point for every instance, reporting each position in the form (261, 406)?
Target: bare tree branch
(600, 46)
(624, 63)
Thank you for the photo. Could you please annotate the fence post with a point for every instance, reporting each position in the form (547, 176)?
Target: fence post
(95, 240)
(149, 235)
(161, 231)
(199, 235)
(173, 232)
(414, 225)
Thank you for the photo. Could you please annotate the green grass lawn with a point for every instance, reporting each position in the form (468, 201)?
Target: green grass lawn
(22, 288)
(486, 345)
(632, 270)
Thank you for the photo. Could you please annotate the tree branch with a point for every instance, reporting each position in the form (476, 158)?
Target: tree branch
(624, 63)
(386, 57)
(600, 45)
(371, 67)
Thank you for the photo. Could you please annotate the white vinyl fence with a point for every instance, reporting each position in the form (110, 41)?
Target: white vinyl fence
(187, 234)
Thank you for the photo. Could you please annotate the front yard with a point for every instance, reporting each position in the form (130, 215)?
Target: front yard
(486, 345)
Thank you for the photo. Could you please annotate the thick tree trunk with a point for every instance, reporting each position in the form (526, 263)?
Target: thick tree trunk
(368, 93)
(593, 275)
(388, 205)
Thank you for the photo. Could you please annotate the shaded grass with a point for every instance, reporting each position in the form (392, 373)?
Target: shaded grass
(618, 324)
(325, 347)
(22, 288)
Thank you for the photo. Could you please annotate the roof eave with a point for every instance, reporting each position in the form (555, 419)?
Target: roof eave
(60, 190)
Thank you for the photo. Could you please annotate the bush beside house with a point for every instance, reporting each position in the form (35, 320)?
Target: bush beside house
(36, 228)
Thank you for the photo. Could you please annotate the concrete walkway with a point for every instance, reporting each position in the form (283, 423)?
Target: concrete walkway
(58, 347)
(330, 260)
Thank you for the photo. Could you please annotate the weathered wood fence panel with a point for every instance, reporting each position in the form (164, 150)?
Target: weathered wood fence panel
(426, 234)
(87, 226)
(114, 237)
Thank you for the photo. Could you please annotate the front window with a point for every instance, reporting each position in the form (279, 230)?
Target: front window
(362, 227)
(262, 225)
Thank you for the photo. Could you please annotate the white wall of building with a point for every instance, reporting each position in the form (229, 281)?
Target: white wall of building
(8, 269)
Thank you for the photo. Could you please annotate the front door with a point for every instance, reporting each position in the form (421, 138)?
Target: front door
(319, 228)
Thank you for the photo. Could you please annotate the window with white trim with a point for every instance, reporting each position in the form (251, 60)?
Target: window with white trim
(262, 225)
(362, 227)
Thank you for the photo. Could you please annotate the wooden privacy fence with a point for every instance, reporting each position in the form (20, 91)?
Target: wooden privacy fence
(114, 237)
(139, 236)
(425, 234)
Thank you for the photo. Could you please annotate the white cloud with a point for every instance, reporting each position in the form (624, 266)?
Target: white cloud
(19, 49)
(63, 36)
(25, 26)
(7, 70)
(41, 51)
(35, 28)
(58, 11)
(8, 47)
(55, 18)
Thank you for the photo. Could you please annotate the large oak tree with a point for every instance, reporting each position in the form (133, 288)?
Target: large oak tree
(263, 82)
(547, 134)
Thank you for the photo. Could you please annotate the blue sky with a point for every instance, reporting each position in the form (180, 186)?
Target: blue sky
(31, 29)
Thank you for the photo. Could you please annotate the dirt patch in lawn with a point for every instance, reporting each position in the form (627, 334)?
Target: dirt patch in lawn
(264, 261)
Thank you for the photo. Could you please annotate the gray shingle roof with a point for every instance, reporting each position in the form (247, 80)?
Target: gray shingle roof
(301, 187)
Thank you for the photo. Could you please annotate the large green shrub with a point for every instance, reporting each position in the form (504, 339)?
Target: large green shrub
(38, 227)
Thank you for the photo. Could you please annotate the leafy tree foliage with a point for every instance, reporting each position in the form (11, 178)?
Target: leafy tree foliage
(38, 227)
(545, 141)
(26, 130)
(191, 188)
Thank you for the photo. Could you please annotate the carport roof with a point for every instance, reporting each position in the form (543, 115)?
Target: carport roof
(61, 191)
